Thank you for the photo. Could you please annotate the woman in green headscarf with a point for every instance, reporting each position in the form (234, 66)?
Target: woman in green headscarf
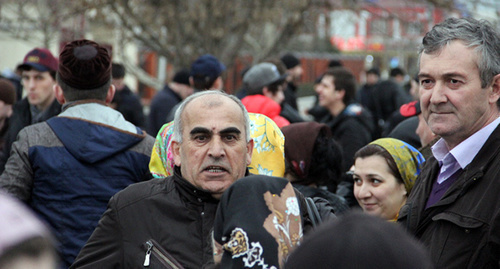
(384, 174)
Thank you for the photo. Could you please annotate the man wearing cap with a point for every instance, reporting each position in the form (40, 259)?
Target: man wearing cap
(68, 167)
(163, 102)
(264, 86)
(295, 71)
(205, 74)
(126, 101)
(38, 79)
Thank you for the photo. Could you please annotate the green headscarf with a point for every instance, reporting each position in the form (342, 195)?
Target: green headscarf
(407, 158)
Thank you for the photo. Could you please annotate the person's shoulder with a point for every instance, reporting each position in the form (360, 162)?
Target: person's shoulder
(40, 128)
(353, 109)
(139, 192)
(20, 108)
(166, 97)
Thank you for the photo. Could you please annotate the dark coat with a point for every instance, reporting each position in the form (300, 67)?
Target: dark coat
(338, 203)
(405, 131)
(462, 230)
(170, 211)
(291, 95)
(353, 129)
(160, 107)
(21, 117)
(382, 100)
(129, 104)
(290, 113)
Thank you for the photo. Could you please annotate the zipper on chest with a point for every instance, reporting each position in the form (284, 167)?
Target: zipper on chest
(163, 257)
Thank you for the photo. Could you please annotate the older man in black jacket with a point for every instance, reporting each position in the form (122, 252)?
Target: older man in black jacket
(175, 215)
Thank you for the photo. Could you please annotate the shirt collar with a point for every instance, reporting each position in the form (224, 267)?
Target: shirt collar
(465, 152)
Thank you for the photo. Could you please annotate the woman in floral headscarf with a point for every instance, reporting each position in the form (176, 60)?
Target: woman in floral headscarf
(384, 174)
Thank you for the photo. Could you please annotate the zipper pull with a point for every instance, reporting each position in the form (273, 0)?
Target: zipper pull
(148, 254)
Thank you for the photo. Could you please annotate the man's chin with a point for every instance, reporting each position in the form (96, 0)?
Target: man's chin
(217, 188)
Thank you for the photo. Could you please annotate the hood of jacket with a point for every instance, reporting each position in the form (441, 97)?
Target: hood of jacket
(92, 141)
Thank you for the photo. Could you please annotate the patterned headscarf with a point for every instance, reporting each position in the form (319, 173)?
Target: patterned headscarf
(268, 157)
(407, 158)
(258, 223)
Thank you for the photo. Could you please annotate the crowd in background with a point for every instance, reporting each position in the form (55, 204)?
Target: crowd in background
(394, 173)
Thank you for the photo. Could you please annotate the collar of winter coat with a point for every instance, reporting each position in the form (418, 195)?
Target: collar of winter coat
(97, 111)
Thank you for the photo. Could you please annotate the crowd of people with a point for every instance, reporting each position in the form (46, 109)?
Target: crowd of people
(385, 175)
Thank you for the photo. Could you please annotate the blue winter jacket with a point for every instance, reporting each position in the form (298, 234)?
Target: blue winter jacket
(68, 167)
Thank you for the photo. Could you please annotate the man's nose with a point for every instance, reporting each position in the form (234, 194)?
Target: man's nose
(29, 83)
(438, 94)
(216, 148)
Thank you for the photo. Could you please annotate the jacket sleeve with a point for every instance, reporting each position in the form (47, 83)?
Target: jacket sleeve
(104, 249)
(17, 178)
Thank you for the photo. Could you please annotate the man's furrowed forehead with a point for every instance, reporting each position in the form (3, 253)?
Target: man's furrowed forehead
(210, 101)
(213, 114)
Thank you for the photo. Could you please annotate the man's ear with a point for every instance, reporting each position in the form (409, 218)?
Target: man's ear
(341, 93)
(495, 89)
(266, 92)
(249, 151)
(176, 152)
(59, 94)
(191, 81)
(218, 84)
(111, 94)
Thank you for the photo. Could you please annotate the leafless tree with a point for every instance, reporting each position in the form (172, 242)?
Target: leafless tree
(179, 30)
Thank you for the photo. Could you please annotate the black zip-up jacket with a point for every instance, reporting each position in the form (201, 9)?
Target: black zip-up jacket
(168, 212)
(353, 129)
(462, 230)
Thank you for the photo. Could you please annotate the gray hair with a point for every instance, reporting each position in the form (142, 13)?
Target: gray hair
(177, 134)
(478, 34)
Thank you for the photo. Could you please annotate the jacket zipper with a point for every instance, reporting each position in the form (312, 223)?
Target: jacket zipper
(165, 259)
(148, 253)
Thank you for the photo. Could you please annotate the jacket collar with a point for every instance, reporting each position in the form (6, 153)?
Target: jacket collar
(189, 191)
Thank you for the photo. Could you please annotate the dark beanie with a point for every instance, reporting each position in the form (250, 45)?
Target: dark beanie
(85, 65)
(182, 77)
(7, 91)
(290, 61)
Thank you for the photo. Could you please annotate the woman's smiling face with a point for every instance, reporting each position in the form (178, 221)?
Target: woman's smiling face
(376, 189)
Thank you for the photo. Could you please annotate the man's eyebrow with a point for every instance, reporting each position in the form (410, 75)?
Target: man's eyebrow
(423, 75)
(445, 75)
(199, 130)
(230, 130)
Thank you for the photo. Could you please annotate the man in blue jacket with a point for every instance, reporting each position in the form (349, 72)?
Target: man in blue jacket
(67, 168)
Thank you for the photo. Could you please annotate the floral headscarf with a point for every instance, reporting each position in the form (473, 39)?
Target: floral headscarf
(268, 157)
(407, 158)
